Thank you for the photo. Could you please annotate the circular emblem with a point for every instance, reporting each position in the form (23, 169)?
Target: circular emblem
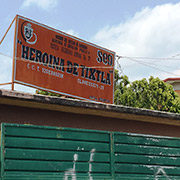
(27, 33)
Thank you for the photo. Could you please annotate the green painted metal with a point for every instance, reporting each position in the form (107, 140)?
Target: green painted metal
(39, 152)
(146, 156)
(112, 155)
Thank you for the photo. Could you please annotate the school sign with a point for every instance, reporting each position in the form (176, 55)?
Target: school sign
(48, 59)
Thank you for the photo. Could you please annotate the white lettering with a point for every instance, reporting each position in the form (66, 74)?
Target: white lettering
(52, 73)
(87, 83)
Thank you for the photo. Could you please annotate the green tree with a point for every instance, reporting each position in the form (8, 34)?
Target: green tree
(47, 93)
(152, 94)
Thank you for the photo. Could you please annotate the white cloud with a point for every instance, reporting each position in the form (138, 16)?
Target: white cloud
(72, 32)
(44, 4)
(150, 33)
(68, 31)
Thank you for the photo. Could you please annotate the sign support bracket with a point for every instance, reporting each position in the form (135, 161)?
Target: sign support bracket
(7, 30)
(2, 84)
(12, 87)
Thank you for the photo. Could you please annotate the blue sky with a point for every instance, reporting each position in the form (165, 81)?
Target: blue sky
(138, 30)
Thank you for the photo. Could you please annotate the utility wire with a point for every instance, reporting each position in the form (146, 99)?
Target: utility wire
(153, 62)
(18, 58)
(172, 58)
(117, 62)
(6, 55)
(148, 65)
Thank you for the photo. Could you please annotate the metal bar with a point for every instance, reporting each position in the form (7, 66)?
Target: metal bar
(112, 162)
(2, 149)
(2, 84)
(7, 30)
(13, 66)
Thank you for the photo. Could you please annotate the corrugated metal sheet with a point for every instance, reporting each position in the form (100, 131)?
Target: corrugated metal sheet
(38, 152)
(140, 156)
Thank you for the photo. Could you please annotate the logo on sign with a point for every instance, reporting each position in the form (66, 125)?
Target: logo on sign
(29, 36)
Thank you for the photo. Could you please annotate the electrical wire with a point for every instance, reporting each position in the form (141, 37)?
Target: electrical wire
(17, 58)
(153, 62)
(148, 65)
(117, 61)
(155, 58)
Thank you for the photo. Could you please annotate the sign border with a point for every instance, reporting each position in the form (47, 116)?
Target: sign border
(65, 34)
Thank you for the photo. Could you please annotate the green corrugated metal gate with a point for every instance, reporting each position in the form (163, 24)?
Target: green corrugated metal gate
(38, 152)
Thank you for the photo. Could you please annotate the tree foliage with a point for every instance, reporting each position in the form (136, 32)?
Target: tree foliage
(152, 94)
(47, 93)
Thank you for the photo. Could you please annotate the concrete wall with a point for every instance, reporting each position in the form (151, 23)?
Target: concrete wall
(25, 115)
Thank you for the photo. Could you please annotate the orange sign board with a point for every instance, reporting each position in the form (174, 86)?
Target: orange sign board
(51, 60)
